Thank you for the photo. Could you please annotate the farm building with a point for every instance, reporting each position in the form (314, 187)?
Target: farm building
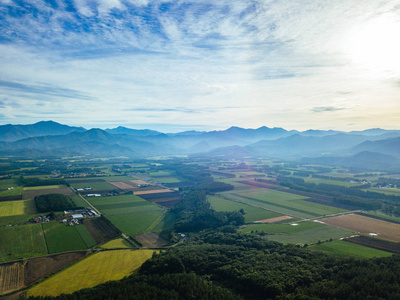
(77, 216)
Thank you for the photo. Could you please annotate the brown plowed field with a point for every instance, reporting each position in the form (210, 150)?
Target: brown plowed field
(42, 267)
(31, 194)
(375, 243)
(152, 192)
(151, 240)
(100, 230)
(11, 198)
(273, 220)
(139, 182)
(20, 274)
(124, 185)
(366, 225)
(11, 277)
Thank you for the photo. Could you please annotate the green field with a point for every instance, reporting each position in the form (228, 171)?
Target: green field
(252, 213)
(120, 204)
(16, 220)
(302, 233)
(7, 183)
(79, 201)
(17, 207)
(386, 191)
(166, 179)
(346, 183)
(85, 235)
(161, 173)
(60, 238)
(91, 271)
(135, 223)
(101, 185)
(21, 241)
(165, 225)
(45, 187)
(14, 192)
(342, 248)
(130, 213)
(285, 203)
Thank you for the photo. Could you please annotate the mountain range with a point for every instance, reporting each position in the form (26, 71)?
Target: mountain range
(333, 147)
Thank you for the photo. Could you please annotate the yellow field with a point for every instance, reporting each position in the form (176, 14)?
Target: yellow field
(118, 243)
(18, 207)
(91, 271)
(45, 187)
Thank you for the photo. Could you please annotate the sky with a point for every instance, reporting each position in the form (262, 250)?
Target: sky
(201, 65)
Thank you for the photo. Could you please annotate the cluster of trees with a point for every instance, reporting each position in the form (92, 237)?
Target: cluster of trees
(353, 197)
(35, 181)
(53, 202)
(194, 213)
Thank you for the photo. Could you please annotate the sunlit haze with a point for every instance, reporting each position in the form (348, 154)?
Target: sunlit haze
(201, 65)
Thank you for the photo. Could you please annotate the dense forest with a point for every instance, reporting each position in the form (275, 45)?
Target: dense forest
(53, 202)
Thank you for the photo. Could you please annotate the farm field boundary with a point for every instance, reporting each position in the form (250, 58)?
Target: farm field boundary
(375, 243)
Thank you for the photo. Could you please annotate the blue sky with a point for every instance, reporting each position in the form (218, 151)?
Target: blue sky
(183, 65)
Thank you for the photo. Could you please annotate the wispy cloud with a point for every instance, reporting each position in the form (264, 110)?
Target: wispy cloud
(326, 109)
(43, 90)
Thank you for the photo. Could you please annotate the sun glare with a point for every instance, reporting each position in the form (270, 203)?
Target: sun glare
(375, 47)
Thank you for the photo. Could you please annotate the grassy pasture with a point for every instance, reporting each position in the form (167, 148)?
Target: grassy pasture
(135, 222)
(252, 213)
(61, 238)
(91, 271)
(21, 241)
(85, 235)
(165, 225)
(386, 191)
(342, 248)
(330, 181)
(113, 199)
(101, 185)
(284, 203)
(79, 201)
(303, 233)
(167, 179)
(15, 220)
(162, 173)
(17, 207)
(45, 187)
(14, 192)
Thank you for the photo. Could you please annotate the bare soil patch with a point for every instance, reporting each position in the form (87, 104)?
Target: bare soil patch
(151, 240)
(366, 225)
(139, 182)
(273, 220)
(152, 192)
(42, 267)
(123, 185)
